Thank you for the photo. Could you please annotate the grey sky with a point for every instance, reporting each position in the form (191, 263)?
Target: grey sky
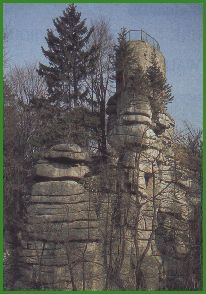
(178, 29)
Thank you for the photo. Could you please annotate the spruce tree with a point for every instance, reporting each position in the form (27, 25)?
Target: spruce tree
(125, 59)
(70, 60)
(159, 90)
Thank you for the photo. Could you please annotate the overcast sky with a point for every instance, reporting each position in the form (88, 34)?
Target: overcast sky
(177, 28)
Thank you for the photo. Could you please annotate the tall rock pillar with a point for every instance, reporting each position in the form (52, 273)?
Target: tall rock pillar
(151, 206)
(60, 238)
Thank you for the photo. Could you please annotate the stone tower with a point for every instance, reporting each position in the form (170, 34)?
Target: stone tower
(151, 186)
(123, 225)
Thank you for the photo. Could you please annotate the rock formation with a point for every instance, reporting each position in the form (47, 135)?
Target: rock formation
(61, 233)
(152, 189)
(126, 227)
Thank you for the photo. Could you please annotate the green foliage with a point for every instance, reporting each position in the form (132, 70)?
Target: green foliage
(84, 127)
(138, 82)
(151, 83)
(125, 59)
(159, 90)
(49, 127)
(70, 61)
(78, 125)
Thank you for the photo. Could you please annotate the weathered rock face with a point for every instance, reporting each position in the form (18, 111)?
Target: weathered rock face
(152, 194)
(143, 53)
(126, 227)
(152, 188)
(61, 232)
(58, 171)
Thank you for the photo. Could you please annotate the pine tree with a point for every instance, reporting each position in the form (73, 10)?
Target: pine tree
(160, 90)
(69, 59)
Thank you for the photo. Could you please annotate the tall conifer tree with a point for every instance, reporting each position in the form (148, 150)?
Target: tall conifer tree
(70, 60)
(160, 90)
(125, 59)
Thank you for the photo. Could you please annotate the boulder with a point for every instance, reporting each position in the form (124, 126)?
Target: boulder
(73, 148)
(138, 108)
(54, 209)
(166, 120)
(67, 156)
(74, 217)
(58, 170)
(135, 118)
(62, 227)
(139, 158)
(68, 199)
(125, 136)
(63, 233)
(67, 152)
(57, 188)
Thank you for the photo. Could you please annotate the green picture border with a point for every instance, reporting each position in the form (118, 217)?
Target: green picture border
(203, 2)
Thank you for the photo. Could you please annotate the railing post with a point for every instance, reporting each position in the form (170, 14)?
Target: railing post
(145, 37)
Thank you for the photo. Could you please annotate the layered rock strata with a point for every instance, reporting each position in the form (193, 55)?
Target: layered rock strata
(152, 191)
(122, 225)
(58, 246)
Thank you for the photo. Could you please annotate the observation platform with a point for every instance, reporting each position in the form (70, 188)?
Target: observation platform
(140, 35)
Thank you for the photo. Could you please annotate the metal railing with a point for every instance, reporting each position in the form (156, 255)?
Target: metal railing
(133, 35)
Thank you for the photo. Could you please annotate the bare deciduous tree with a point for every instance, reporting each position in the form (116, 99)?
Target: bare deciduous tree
(100, 81)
